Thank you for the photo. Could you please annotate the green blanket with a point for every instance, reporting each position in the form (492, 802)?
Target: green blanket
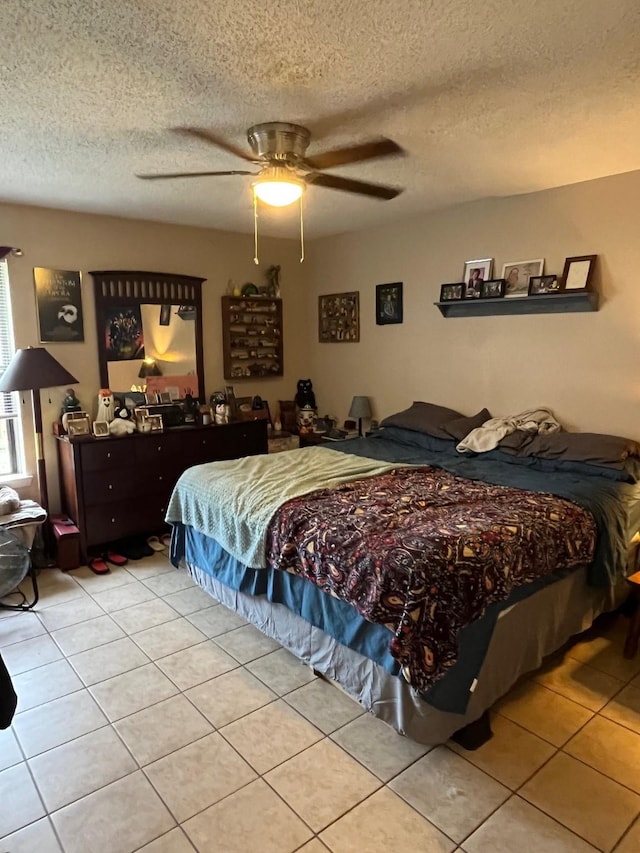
(234, 501)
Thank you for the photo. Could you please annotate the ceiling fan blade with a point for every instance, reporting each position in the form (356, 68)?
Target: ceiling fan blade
(333, 182)
(355, 154)
(192, 175)
(212, 139)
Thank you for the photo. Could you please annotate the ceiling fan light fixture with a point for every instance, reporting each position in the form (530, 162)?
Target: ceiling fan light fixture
(276, 186)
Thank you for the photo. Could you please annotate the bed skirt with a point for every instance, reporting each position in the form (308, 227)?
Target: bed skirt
(524, 634)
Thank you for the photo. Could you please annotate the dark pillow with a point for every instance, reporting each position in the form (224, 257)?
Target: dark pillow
(595, 449)
(461, 427)
(424, 417)
(515, 441)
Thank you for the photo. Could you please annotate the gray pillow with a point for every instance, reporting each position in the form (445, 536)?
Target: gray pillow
(596, 449)
(461, 427)
(424, 417)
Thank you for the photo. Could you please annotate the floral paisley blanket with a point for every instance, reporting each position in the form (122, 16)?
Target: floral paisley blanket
(424, 552)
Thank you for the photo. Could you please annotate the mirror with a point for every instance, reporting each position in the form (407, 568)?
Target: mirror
(150, 332)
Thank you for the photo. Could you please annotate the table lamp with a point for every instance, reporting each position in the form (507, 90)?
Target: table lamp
(360, 408)
(30, 370)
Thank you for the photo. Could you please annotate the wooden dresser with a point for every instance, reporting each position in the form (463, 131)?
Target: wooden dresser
(116, 487)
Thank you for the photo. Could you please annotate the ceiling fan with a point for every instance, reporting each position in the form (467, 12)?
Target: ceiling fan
(278, 149)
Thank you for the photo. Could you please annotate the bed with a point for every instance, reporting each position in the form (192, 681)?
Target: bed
(423, 581)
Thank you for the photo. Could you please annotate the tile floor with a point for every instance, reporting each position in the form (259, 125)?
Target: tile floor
(152, 718)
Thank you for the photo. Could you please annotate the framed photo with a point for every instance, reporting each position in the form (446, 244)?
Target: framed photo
(517, 275)
(100, 429)
(151, 398)
(475, 272)
(59, 304)
(79, 426)
(541, 284)
(339, 317)
(388, 303)
(165, 315)
(449, 292)
(164, 397)
(577, 272)
(493, 288)
(156, 423)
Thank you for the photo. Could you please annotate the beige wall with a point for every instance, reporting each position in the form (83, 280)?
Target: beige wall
(586, 367)
(63, 240)
(583, 366)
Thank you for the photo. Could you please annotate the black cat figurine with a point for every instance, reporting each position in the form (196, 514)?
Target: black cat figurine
(305, 395)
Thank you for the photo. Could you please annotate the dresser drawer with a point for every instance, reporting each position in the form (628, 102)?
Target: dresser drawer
(109, 486)
(107, 522)
(111, 454)
(161, 449)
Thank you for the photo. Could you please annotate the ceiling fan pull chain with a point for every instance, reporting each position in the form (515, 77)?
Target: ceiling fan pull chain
(255, 229)
(301, 233)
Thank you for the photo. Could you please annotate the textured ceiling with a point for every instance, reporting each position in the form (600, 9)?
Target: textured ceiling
(488, 98)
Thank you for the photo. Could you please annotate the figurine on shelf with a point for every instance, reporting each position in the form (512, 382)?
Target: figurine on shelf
(70, 402)
(305, 395)
(273, 281)
(106, 405)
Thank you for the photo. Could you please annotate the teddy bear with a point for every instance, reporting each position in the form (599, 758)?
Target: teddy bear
(305, 396)
(122, 423)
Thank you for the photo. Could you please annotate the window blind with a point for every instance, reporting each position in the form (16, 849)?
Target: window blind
(8, 402)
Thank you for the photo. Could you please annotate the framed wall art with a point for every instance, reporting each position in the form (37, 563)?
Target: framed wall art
(451, 292)
(493, 288)
(543, 284)
(388, 303)
(517, 275)
(59, 304)
(475, 272)
(339, 317)
(577, 272)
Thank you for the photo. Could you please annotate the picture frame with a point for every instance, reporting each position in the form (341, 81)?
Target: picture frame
(578, 272)
(150, 398)
(388, 303)
(493, 288)
(59, 305)
(451, 292)
(165, 315)
(156, 423)
(164, 397)
(543, 285)
(79, 427)
(517, 275)
(339, 317)
(100, 429)
(475, 272)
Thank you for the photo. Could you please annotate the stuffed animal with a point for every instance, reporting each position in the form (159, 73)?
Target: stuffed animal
(106, 405)
(122, 423)
(305, 395)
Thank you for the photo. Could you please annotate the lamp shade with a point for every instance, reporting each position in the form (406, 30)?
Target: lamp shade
(34, 368)
(360, 408)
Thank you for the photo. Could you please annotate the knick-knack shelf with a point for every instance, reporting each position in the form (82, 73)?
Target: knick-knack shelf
(252, 337)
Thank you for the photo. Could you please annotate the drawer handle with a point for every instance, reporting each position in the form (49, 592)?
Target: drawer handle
(110, 487)
(159, 448)
(113, 521)
(160, 477)
(109, 454)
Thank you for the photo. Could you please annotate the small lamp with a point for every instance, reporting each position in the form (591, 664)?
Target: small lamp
(149, 368)
(30, 370)
(360, 408)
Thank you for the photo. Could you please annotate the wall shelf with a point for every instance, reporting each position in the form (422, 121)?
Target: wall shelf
(552, 303)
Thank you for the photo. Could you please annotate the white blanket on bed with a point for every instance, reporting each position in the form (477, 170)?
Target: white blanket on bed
(489, 435)
(233, 501)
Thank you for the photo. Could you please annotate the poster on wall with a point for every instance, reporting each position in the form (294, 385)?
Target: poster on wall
(124, 338)
(59, 303)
